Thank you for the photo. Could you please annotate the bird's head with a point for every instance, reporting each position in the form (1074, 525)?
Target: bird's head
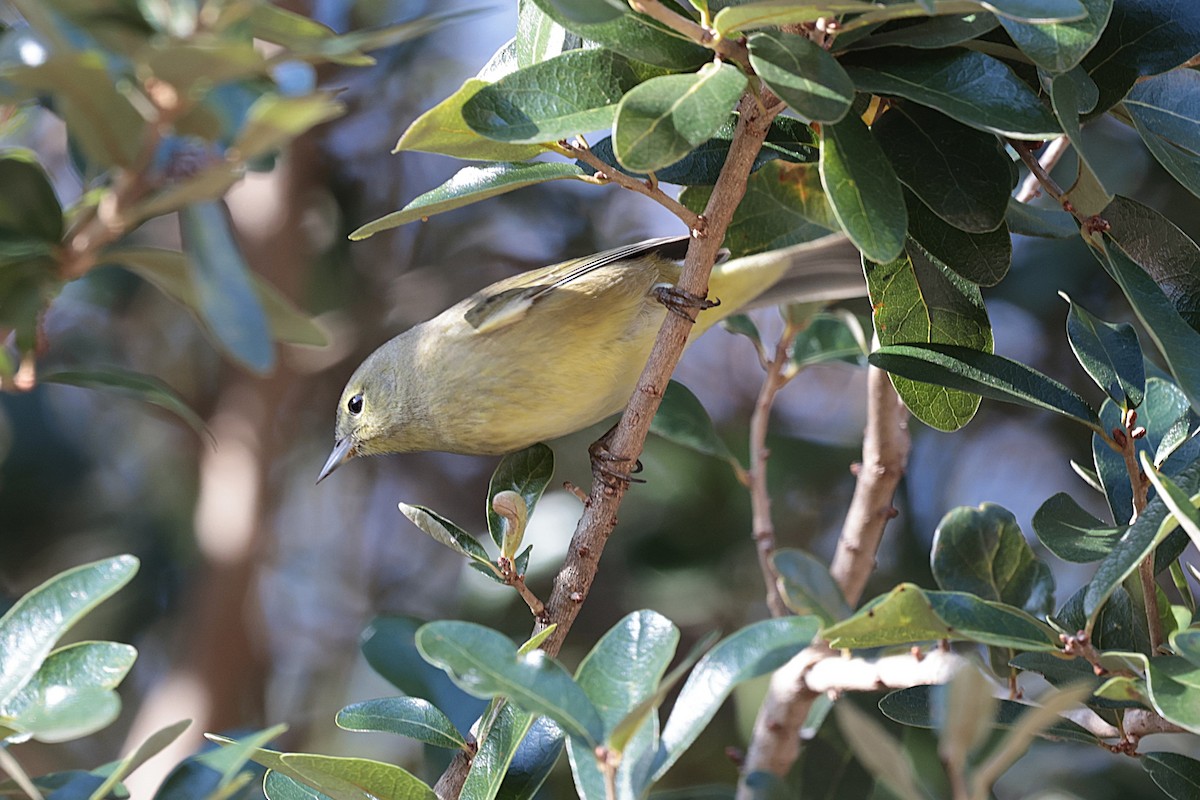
(365, 418)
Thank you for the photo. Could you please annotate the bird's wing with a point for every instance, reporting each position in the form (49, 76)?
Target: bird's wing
(504, 307)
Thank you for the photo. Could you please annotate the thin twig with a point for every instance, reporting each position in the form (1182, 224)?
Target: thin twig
(729, 50)
(607, 173)
(760, 498)
(1139, 483)
(508, 572)
(574, 580)
(1041, 174)
(1046, 162)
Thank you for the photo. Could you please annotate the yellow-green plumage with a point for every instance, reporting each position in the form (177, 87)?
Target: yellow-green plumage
(529, 358)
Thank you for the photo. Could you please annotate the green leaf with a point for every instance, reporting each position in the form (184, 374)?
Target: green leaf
(1174, 684)
(28, 207)
(917, 299)
(982, 551)
(408, 716)
(145, 388)
(1142, 38)
(590, 12)
(784, 205)
(878, 751)
(1177, 775)
(1058, 47)
(773, 13)
(540, 38)
(912, 706)
(446, 532)
(960, 173)
(529, 107)
(1152, 526)
(1186, 643)
(1175, 339)
(526, 472)
(1110, 354)
(981, 258)
(803, 74)
(1178, 502)
(1071, 533)
(442, 129)
(1049, 223)
(1169, 106)
(1060, 672)
(910, 614)
(635, 36)
(150, 747)
(485, 663)
(225, 294)
(752, 651)
(72, 694)
(621, 671)
(172, 273)
(356, 778)
(974, 88)
(659, 122)
(497, 751)
(984, 374)
(1181, 164)
(1088, 194)
(863, 189)
(29, 629)
(935, 33)
(278, 786)
(829, 337)
(682, 419)
(274, 121)
(470, 185)
(808, 588)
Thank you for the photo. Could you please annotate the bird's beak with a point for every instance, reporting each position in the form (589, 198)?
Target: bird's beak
(343, 451)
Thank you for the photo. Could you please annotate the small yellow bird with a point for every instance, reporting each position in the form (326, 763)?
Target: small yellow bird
(553, 350)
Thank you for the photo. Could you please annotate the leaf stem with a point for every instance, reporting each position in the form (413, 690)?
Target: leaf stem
(1126, 439)
(727, 49)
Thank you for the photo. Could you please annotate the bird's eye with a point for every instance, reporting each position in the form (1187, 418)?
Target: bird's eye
(355, 405)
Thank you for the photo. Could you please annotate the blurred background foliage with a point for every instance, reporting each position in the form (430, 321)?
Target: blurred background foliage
(255, 586)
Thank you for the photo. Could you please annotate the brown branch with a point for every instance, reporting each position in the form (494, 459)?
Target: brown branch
(1126, 439)
(599, 517)
(1046, 163)
(775, 743)
(730, 50)
(607, 173)
(760, 498)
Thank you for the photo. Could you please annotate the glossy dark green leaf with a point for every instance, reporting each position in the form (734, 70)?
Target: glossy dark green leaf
(470, 185)
(974, 88)
(909, 614)
(515, 755)
(28, 206)
(935, 33)
(535, 756)
(682, 419)
(407, 716)
(828, 337)
(225, 294)
(145, 388)
(912, 706)
(634, 36)
(590, 11)
(660, 121)
(1119, 628)
(803, 74)
(981, 258)
(807, 586)
(1169, 106)
(1110, 354)
(621, 671)
(1162, 250)
(1071, 533)
(784, 205)
(31, 626)
(1176, 774)
(1153, 525)
(1058, 47)
(752, 651)
(446, 532)
(486, 664)
(526, 472)
(1142, 38)
(960, 173)
(1049, 223)
(916, 299)
(863, 189)
(984, 374)
(1183, 165)
(172, 272)
(1173, 336)
(529, 107)
(1186, 643)
(982, 551)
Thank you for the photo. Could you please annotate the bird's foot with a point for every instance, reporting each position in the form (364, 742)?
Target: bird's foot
(685, 304)
(609, 468)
